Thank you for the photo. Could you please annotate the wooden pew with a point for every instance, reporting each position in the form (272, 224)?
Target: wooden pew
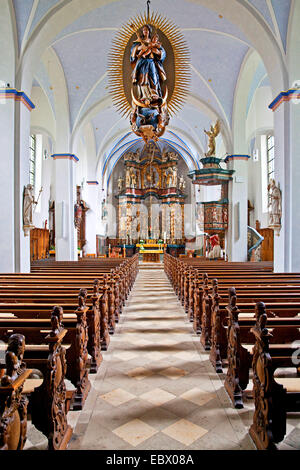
(47, 402)
(247, 297)
(273, 397)
(218, 336)
(186, 280)
(239, 356)
(87, 330)
(196, 294)
(13, 403)
(76, 341)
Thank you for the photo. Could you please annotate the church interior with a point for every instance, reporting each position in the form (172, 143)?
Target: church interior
(150, 255)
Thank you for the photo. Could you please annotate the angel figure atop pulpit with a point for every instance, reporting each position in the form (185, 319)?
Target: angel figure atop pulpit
(212, 134)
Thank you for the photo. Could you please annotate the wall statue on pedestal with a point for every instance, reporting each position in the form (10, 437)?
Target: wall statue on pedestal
(275, 205)
(28, 205)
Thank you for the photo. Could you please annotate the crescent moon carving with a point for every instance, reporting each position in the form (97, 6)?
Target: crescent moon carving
(136, 102)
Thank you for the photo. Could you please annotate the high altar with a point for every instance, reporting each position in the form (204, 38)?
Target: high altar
(151, 196)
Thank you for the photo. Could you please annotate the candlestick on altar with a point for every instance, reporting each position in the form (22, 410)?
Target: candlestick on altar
(124, 251)
(109, 250)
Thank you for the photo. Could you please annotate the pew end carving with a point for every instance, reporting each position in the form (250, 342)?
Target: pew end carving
(93, 322)
(269, 419)
(232, 383)
(78, 363)
(13, 404)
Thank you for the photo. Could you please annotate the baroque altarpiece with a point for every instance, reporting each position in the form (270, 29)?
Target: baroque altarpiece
(151, 196)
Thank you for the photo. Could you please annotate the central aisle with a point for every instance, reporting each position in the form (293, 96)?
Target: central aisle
(156, 389)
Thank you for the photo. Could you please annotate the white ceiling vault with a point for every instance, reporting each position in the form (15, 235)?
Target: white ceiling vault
(71, 40)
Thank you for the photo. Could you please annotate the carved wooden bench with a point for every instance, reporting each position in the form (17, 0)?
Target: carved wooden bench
(273, 397)
(76, 338)
(47, 402)
(239, 349)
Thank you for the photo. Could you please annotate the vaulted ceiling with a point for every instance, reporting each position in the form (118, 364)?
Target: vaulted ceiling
(219, 48)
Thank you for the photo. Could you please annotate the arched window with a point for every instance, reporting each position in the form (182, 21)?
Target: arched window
(32, 159)
(35, 164)
(267, 166)
(270, 157)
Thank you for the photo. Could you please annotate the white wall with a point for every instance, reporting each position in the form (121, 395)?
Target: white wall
(42, 116)
(43, 124)
(260, 120)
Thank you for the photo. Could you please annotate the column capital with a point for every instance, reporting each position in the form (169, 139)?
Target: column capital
(65, 156)
(284, 96)
(13, 94)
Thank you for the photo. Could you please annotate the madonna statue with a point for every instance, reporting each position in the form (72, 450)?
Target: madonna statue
(147, 57)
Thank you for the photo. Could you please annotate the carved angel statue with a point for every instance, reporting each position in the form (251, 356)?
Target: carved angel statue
(275, 206)
(212, 134)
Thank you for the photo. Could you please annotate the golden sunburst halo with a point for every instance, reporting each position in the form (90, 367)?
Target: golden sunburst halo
(181, 62)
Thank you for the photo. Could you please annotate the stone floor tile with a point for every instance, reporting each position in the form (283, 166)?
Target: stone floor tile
(157, 396)
(185, 431)
(139, 373)
(135, 432)
(173, 373)
(197, 396)
(117, 397)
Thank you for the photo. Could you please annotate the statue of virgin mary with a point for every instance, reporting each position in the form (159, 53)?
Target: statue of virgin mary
(147, 56)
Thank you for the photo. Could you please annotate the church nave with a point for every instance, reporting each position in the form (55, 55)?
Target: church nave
(156, 388)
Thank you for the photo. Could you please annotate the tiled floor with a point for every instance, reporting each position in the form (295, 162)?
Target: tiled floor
(156, 388)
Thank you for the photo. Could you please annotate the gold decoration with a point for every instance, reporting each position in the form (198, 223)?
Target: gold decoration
(178, 80)
(212, 134)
